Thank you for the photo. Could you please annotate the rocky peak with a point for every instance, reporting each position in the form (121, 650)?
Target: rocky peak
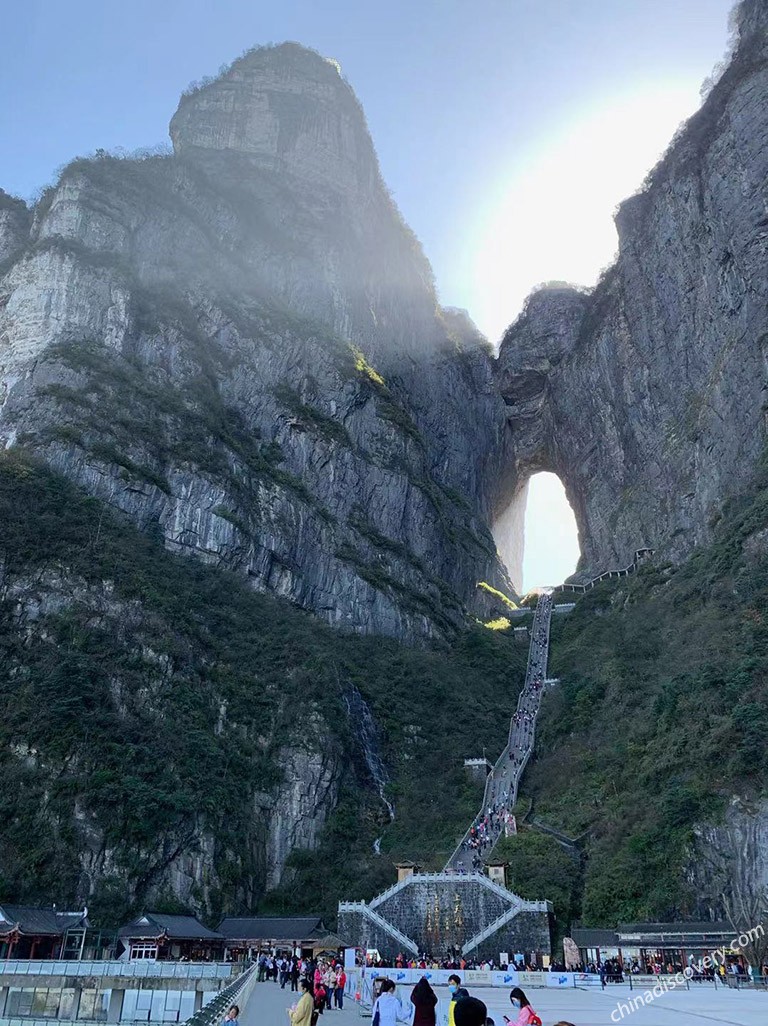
(647, 395)
(548, 327)
(289, 111)
(259, 318)
(15, 222)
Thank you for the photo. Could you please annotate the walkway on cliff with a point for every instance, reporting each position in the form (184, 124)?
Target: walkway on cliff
(503, 781)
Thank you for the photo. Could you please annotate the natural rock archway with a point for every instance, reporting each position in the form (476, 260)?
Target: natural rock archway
(647, 395)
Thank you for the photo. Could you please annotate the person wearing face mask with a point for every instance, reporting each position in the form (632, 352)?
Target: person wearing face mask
(525, 1014)
(457, 993)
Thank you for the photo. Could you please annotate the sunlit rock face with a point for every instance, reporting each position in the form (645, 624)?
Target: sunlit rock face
(648, 396)
(240, 345)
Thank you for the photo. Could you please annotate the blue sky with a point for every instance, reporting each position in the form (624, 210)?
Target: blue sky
(494, 120)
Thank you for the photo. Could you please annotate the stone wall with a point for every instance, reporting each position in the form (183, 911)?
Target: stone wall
(441, 913)
(354, 926)
(527, 932)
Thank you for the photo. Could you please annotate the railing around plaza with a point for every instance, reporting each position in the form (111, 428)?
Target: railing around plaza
(139, 969)
(361, 981)
(742, 982)
(237, 992)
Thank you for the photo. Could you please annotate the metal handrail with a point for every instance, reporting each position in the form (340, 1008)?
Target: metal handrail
(212, 1012)
(607, 574)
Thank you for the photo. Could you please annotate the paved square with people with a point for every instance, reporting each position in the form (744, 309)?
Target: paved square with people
(593, 1007)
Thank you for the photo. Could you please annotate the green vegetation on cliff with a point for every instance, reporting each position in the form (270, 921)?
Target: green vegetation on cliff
(145, 701)
(661, 715)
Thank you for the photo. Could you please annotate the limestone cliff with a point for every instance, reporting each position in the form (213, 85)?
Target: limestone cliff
(169, 735)
(240, 344)
(728, 868)
(648, 395)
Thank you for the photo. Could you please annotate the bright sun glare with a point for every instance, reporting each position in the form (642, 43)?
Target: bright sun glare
(551, 219)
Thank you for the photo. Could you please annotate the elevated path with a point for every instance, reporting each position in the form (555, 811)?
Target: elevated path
(502, 782)
(640, 556)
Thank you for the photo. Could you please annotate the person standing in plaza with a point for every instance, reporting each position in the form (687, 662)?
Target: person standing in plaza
(330, 986)
(457, 993)
(341, 982)
(301, 1014)
(388, 1006)
(424, 1001)
(525, 1015)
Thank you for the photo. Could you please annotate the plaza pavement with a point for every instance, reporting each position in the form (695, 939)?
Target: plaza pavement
(701, 1006)
(267, 1007)
(593, 1007)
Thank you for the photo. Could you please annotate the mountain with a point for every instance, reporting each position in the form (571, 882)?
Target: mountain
(250, 475)
(171, 737)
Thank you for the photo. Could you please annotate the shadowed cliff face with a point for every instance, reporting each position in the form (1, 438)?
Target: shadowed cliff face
(240, 345)
(647, 396)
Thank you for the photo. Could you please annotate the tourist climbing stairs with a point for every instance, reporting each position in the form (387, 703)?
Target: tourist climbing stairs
(501, 785)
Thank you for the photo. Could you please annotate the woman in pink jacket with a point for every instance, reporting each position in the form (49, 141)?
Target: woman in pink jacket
(526, 1015)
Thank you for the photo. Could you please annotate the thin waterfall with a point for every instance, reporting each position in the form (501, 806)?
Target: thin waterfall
(362, 720)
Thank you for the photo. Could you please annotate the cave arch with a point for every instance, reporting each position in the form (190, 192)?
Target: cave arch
(536, 533)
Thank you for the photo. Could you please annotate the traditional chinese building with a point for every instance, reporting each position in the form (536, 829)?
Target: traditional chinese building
(27, 932)
(157, 936)
(247, 935)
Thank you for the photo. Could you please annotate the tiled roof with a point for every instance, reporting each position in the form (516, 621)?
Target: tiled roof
(289, 928)
(156, 924)
(587, 938)
(40, 922)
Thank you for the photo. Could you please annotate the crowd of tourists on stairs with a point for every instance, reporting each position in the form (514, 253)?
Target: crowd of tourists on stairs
(486, 829)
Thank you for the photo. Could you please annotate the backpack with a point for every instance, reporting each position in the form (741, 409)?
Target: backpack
(534, 1020)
